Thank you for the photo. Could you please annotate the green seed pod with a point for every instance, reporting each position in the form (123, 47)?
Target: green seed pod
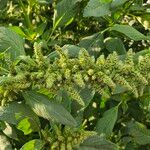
(79, 80)
(69, 139)
(38, 52)
(67, 74)
(63, 65)
(69, 146)
(93, 77)
(101, 60)
(59, 77)
(6, 93)
(60, 138)
(75, 68)
(86, 78)
(54, 146)
(90, 72)
(75, 141)
(62, 146)
(50, 80)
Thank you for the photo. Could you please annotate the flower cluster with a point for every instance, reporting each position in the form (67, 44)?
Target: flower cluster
(68, 138)
(102, 74)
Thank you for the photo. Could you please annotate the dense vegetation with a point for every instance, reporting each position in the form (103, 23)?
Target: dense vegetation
(74, 74)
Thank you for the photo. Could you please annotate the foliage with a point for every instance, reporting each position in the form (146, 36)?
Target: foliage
(74, 74)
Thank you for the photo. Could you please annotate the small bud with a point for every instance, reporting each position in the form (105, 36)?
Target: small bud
(75, 68)
(63, 65)
(86, 78)
(67, 73)
(90, 72)
(93, 77)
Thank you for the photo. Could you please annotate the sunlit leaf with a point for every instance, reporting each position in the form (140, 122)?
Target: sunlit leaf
(48, 109)
(11, 43)
(130, 32)
(106, 123)
(35, 144)
(96, 8)
(97, 143)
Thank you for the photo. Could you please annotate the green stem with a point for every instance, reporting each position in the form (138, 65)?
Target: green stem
(26, 14)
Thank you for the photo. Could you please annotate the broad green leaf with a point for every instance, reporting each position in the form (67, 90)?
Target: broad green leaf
(65, 12)
(139, 2)
(27, 126)
(35, 144)
(4, 143)
(2, 125)
(97, 143)
(119, 89)
(115, 44)
(72, 51)
(63, 98)
(93, 44)
(40, 29)
(86, 94)
(3, 4)
(106, 123)
(139, 132)
(15, 112)
(96, 8)
(11, 43)
(117, 3)
(106, 1)
(48, 109)
(130, 32)
(18, 30)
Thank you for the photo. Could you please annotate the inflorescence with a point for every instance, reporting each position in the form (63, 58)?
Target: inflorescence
(103, 75)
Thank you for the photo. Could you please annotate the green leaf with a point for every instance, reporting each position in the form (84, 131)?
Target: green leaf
(35, 144)
(93, 44)
(14, 113)
(11, 42)
(97, 143)
(65, 12)
(18, 30)
(107, 122)
(4, 143)
(27, 126)
(3, 4)
(86, 94)
(40, 29)
(72, 51)
(115, 44)
(139, 132)
(117, 3)
(106, 1)
(96, 8)
(2, 125)
(63, 98)
(130, 32)
(48, 109)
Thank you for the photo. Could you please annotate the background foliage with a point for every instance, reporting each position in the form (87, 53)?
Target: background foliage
(37, 38)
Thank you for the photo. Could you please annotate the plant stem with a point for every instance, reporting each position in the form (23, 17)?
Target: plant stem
(26, 14)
